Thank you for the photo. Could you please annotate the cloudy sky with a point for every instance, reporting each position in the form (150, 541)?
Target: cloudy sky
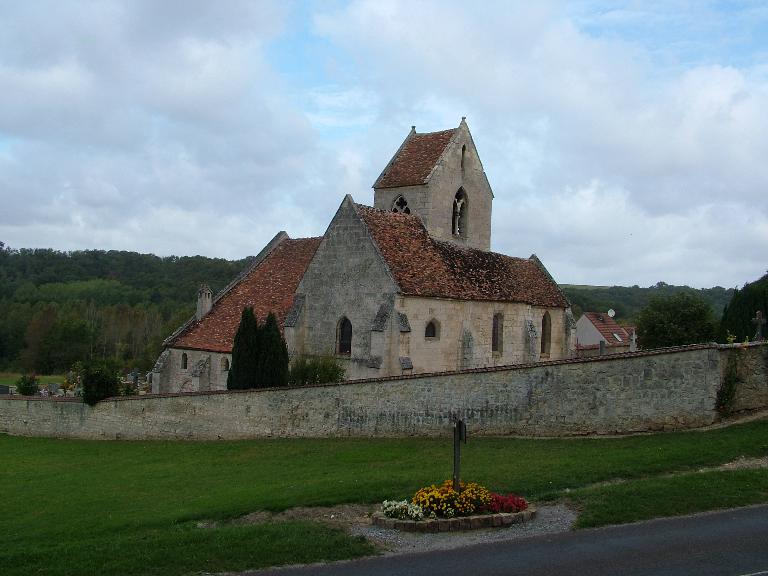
(626, 143)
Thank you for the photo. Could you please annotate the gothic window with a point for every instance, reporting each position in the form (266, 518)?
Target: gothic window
(459, 224)
(432, 330)
(463, 155)
(344, 336)
(225, 364)
(546, 334)
(184, 361)
(497, 334)
(400, 205)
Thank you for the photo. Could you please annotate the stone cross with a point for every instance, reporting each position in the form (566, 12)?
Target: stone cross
(459, 434)
(759, 321)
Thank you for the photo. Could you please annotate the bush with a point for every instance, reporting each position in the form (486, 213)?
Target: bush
(100, 380)
(315, 370)
(27, 385)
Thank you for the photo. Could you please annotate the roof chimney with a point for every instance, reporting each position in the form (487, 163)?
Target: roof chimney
(204, 301)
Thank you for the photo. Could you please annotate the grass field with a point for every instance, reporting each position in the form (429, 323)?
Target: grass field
(82, 507)
(10, 378)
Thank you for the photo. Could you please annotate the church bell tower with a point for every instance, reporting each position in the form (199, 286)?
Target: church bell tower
(439, 177)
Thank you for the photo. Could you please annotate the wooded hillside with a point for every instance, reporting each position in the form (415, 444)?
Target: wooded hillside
(60, 307)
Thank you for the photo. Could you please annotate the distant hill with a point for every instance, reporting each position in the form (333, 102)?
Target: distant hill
(627, 301)
(58, 307)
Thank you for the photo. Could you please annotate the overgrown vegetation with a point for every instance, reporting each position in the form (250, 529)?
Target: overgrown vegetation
(739, 314)
(727, 392)
(100, 380)
(684, 318)
(27, 385)
(61, 307)
(143, 500)
(307, 370)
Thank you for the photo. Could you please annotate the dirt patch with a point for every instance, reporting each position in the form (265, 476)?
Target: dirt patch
(745, 464)
(343, 516)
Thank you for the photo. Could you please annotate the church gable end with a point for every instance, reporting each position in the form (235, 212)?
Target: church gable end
(345, 285)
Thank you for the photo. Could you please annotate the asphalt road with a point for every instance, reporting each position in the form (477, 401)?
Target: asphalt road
(729, 543)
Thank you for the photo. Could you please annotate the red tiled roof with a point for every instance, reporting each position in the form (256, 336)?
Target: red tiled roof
(415, 160)
(268, 287)
(423, 266)
(607, 327)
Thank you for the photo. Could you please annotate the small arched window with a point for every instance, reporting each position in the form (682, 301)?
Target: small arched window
(459, 217)
(497, 333)
(344, 336)
(401, 205)
(463, 156)
(546, 334)
(225, 364)
(184, 361)
(432, 330)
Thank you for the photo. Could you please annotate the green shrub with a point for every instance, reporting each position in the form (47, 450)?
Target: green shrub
(100, 380)
(27, 385)
(727, 392)
(315, 370)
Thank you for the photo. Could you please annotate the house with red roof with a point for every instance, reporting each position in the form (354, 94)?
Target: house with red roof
(596, 331)
(406, 286)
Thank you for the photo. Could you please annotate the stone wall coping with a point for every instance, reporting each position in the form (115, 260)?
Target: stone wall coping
(475, 522)
(505, 368)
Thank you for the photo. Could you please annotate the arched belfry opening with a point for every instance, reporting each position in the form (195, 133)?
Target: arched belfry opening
(459, 217)
(401, 205)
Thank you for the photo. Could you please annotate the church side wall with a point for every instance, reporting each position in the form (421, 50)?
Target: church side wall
(656, 390)
(456, 316)
(180, 379)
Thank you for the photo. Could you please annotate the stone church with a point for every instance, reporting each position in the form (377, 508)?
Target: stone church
(407, 286)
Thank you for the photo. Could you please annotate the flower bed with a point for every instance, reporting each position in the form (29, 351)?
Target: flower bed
(441, 509)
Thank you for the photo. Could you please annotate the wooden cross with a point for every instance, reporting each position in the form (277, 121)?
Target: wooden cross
(760, 322)
(459, 434)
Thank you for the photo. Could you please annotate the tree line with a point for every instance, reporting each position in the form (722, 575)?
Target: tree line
(57, 308)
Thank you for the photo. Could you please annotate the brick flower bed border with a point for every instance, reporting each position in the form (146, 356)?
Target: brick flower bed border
(454, 524)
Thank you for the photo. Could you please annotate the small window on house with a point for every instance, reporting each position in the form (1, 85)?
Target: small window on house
(617, 337)
(463, 156)
(432, 330)
(344, 336)
(546, 334)
(497, 334)
(184, 361)
(401, 205)
(225, 364)
(459, 218)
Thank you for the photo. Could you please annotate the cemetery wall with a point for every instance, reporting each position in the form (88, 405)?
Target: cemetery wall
(670, 389)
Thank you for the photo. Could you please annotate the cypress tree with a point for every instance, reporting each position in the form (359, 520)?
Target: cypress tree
(738, 315)
(273, 360)
(243, 372)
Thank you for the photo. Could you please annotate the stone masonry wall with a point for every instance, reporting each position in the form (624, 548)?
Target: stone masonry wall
(674, 389)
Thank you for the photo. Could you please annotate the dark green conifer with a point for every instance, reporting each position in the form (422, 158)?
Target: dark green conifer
(273, 361)
(243, 372)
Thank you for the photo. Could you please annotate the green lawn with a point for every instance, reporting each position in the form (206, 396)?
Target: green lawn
(82, 507)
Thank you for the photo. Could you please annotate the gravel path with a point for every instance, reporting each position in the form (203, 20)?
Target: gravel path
(548, 520)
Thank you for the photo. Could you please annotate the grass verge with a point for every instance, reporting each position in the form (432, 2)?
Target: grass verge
(85, 507)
